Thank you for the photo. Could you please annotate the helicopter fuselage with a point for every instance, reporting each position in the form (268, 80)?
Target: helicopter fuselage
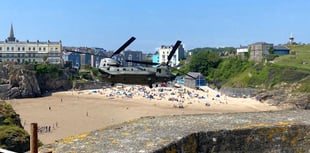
(114, 73)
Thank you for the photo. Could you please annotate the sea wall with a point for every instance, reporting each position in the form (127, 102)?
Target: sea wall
(88, 85)
(280, 131)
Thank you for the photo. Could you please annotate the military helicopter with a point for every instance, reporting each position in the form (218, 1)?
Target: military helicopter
(113, 72)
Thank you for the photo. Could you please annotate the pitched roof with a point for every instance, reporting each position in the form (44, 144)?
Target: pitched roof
(194, 74)
(280, 48)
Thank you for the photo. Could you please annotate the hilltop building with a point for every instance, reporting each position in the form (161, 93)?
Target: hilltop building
(281, 50)
(291, 39)
(13, 50)
(242, 50)
(164, 51)
(259, 50)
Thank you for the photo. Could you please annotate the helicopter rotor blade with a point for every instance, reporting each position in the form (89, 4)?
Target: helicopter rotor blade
(80, 52)
(175, 47)
(142, 62)
(124, 46)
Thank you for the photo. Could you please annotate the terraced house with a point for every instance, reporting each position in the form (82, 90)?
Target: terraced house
(13, 50)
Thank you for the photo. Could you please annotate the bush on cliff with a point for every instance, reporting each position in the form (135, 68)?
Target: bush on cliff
(14, 138)
(48, 68)
(12, 135)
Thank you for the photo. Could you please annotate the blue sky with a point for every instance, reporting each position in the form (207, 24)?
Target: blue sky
(197, 23)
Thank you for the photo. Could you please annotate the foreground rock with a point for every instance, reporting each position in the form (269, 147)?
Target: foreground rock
(282, 131)
(12, 135)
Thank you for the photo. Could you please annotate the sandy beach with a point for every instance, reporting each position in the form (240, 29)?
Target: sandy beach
(70, 113)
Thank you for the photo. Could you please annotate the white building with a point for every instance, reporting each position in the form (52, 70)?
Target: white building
(12, 50)
(164, 52)
(242, 50)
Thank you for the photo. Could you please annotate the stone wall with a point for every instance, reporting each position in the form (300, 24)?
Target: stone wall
(286, 138)
(238, 92)
(280, 131)
(89, 85)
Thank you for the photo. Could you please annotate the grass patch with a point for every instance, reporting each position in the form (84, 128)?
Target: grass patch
(267, 76)
(299, 57)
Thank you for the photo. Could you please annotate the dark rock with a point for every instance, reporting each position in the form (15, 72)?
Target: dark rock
(12, 135)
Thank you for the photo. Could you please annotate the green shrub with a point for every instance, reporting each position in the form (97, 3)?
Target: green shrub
(14, 138)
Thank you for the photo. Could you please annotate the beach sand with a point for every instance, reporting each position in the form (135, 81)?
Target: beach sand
(75, 112)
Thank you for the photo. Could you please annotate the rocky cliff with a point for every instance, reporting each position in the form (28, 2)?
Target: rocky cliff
(22, 81)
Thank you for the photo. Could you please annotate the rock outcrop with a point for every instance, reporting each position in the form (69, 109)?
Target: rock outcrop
(12, 135)
(22, 81)
(281, 97)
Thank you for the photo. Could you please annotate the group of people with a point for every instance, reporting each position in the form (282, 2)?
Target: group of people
(47, 128)
(173, 94)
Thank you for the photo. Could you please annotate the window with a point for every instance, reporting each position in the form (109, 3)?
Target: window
(8, 48)
(29, 49)
(23, 48)
(0, 48)
(12, 48)
(18, 48)
(33, 48)
(43, 48)
(39, 48)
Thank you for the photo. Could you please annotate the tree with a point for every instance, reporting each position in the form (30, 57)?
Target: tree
(204, 61)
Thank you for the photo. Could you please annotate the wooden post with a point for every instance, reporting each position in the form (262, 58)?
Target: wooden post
(34, 138)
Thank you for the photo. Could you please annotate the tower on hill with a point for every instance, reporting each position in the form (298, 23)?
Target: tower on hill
(291, 42)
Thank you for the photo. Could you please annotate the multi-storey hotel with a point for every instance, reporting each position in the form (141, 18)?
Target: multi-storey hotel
(164, 51)
(13, 50)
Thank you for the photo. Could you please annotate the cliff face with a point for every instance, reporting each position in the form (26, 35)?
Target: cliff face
(22, 82)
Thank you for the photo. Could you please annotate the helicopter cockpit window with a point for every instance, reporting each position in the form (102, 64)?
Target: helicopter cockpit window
(158, 70)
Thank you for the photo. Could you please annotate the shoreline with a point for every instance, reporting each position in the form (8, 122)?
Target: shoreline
(71, 113)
